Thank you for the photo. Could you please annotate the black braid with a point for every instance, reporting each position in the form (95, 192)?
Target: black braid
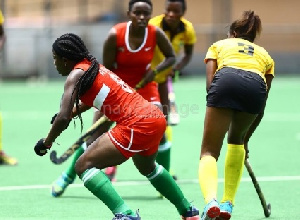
(72, 47)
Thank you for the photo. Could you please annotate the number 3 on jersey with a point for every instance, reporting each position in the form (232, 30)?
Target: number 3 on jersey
(246, 49)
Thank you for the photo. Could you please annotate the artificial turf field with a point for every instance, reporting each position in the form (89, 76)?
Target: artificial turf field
(27, 108)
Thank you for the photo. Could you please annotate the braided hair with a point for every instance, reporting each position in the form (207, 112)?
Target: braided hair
(72, 47)
(247, 27)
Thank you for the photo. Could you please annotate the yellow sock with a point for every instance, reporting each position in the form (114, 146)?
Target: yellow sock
(234, 165)
(168, 133)
(208, 177)
(0, 132)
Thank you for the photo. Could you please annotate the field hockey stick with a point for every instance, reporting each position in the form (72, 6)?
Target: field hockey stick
(266, 207)
(70, 151)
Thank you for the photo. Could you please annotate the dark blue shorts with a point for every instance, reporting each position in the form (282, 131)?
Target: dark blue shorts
(237, 89)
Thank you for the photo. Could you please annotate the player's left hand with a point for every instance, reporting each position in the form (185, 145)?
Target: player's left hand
(175, 75)
(40, 148)
(149, 77)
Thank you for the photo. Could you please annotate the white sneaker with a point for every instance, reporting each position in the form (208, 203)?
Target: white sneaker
(174, 117)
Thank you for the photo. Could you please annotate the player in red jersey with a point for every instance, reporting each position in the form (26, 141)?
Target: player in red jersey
(128, 52)
(139, 128)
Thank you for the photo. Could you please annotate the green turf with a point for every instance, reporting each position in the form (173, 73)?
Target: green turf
(27, 108)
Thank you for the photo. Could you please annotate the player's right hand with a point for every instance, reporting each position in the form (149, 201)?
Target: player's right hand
(40, 148)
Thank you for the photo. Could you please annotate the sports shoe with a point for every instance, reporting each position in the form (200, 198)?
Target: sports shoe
(191, 214)
(111, 173)
(211, 210)
(7, 160)
(120, 216)
(174, 117)
(60, 185)
(225, 211)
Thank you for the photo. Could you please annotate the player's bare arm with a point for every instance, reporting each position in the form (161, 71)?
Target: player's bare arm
(165, 47)
(187, 56)
(256, 122)
(110, 50)
(211, 67)
(67, 103)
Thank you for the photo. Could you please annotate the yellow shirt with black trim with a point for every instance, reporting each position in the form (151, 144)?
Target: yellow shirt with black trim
(241, 54)
(185, 35)
(1, 17)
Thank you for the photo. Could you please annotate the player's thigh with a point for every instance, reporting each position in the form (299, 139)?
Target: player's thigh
(241, 122)
(216, 124)
(100, 154)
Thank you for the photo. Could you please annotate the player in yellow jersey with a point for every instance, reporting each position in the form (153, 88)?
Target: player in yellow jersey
(4, 159)
(182, 36)
(239, 75)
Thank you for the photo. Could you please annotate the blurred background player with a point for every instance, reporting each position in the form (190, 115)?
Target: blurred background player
(182, 36)
(139, 128)
(239, 75)
(4, 159)
(128, 51)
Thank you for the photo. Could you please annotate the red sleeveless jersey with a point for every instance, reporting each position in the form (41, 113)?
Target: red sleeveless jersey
(132, 64)
(112, 96)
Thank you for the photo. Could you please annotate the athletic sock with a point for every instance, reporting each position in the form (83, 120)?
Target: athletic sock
(169, 133)
(166, 185)
(98, 183)
(234, 165)
(164, 155)
(208, 177)
(71, 168)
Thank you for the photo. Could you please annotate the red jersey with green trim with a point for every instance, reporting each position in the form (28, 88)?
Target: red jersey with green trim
(131, 64)
(112, 96)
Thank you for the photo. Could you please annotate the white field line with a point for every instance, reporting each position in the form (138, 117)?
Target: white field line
(37, 115)
(145, 182)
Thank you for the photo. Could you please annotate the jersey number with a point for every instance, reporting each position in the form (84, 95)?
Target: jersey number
(124, 86)
(246, 49)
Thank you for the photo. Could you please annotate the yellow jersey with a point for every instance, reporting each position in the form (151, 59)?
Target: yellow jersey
(185, 35)
(1, 17)
(241, 54)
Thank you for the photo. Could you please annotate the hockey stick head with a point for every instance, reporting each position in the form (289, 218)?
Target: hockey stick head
(266, 207)
(59, 160)
(69, 152)
(267, 211)
(53, 157)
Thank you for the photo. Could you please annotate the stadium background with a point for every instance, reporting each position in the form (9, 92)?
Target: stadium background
(29, 100)
(32, 25)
